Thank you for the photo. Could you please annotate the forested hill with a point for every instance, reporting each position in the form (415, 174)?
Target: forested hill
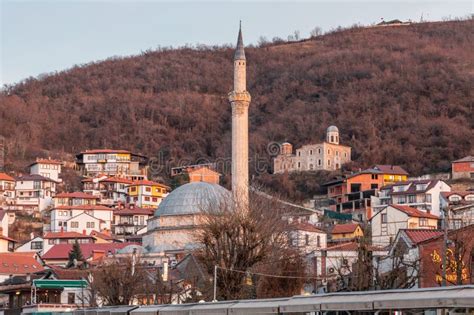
(400, 95)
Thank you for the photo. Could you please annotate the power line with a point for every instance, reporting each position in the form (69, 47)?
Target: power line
(268, 275)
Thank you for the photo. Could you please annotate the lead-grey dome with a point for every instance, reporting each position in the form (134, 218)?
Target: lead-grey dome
(333, 129)
(192, 198)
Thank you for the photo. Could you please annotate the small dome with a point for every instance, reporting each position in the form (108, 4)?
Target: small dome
(332, 129)
(191, 198)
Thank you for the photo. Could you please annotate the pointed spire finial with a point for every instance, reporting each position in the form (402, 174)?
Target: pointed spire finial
(239, 50)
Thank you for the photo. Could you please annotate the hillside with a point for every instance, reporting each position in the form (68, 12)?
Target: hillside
(400, 95)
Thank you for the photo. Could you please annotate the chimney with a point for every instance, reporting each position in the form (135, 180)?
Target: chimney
(32, 235)
(165, 271)
(62, 229)
(97, 254)
(84, 232)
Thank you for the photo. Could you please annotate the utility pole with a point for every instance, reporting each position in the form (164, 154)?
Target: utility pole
(215, 284)
(445, 244)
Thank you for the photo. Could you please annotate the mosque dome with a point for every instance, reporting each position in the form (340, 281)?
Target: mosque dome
(332, 129)
(192, 198)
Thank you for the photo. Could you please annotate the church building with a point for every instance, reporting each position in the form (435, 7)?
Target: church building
(327, 156)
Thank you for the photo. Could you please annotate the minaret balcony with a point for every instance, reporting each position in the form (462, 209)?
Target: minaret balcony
(239, 97)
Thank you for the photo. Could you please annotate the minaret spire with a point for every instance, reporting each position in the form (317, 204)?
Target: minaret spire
(239, 50)
(239, 99)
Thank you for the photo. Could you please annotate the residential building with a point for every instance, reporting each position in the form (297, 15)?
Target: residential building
(111, 190)
(462, 265)
(6, 244)
(346, 232)
(391, 173)
(120, 163)
(329, 155)
(75, 199)
(425, 195)
(146, 194)
(196, 173)
(47, 168)
(33, 245)
(463, 168)
(58, 255)
(128, 220)
(7, 189)
(48, 291)
(460, 208)
(387, 221)
(104, 237)
(18, 264)
(34, 192)
(306, 237)
(53, 238)
(352, 193)
(81, 217)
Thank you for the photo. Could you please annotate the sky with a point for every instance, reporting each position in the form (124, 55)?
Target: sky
(40, 37)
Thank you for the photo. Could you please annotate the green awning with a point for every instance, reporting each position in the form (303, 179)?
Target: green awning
(59, 284)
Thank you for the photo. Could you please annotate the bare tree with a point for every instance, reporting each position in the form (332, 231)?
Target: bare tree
(315, 32)
(237, 240)
(118, 281)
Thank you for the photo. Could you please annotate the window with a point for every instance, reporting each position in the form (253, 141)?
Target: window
(332, 138)
(329, 162)
(337, 153)
(423, 222)
(311, 166)
(51, 241)
(319, 150)
(375, 176)
(329, 151)
(299, 153)
(90, 225)
(37, 245)
(384, 218)
(318, 241)
(71, 298)
(306, 239)
(74, 224)
(133, 188)
(147, 189)
(310, 152)
(142, 220)
(154, 199)
(147, 198)
(374, 186)
(411, 198)
(299, 165)
(320, 162)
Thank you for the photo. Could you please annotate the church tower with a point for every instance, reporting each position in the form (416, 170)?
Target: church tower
(239, 99)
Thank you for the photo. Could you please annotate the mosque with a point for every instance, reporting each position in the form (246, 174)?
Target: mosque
(178, 216)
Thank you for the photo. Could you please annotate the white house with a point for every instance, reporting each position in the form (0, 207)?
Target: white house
(306, 237)
(129, 220)
(77, 198)
(33, 245)
(47, 168)
(7, 189)
(386, 223)
(84, 223)
(61, 215)
(423, 195)
(111, 190)
(34, 192)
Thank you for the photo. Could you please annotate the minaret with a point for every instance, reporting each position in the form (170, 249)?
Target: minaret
(239, 99)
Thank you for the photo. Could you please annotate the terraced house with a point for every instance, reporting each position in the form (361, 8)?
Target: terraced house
(146, 193)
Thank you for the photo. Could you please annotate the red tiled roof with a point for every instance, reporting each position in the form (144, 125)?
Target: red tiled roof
(344, 228)
(68, 274)
(76, 194)
(72, 235)
(84, 207)
(419, 235)
(19, 263)
(135, 210)
(351, 246)
(2, 237)
(413, 212)
(391, 169)
(61, 251)
(4, 176)
(104, 151)
(114, 179)
(35, 177)
(468, 158)
(308, 227)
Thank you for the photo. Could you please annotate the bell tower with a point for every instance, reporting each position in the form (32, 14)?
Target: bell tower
(239, 99)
